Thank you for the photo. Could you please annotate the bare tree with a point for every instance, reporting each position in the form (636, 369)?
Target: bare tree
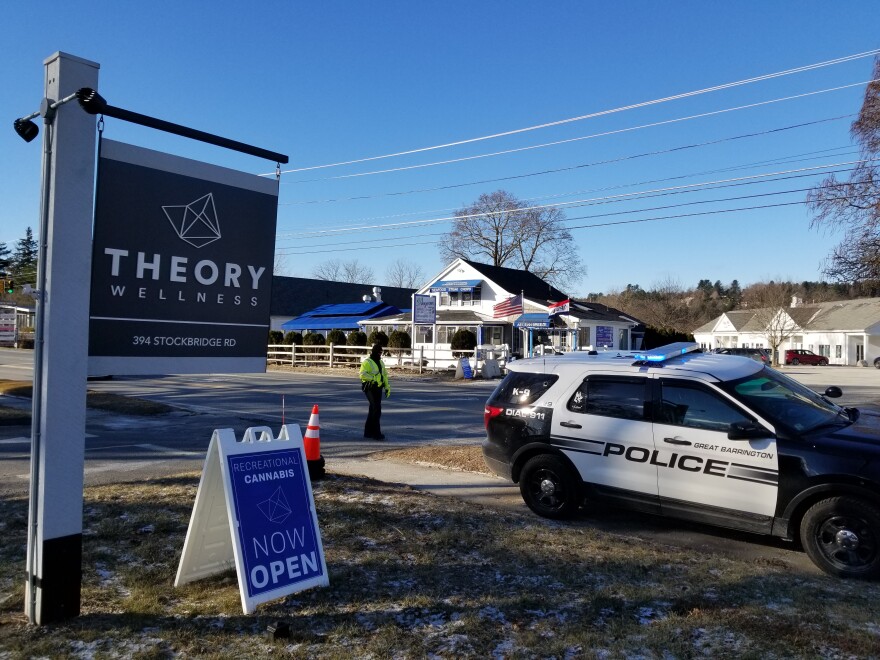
(280, 265)
(854, 205)
(770, 300)
(337, 270)
(664, 307)
(403, 273)
(501, 230)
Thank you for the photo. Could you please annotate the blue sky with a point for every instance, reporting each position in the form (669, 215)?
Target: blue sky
(331, 82)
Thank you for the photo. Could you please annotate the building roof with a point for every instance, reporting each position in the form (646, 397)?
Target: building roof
(344, 316)
(294, 296)
(515, 281)
(444, 317)
(834, 316)
(591, 311)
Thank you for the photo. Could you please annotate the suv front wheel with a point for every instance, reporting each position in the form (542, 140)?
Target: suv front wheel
(550, 487)
(842, 537)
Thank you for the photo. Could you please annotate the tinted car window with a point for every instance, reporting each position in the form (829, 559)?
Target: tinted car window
(785, 401)
(522, 388)
(683, 404)
(610, 397)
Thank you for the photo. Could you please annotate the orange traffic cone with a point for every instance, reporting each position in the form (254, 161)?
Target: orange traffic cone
(312, 444)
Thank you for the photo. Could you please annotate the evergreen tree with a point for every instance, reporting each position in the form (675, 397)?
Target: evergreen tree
(5, 254)
(23, 264)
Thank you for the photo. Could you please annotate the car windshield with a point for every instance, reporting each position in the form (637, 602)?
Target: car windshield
(784, 401)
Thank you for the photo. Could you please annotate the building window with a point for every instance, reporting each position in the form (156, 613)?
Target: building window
(444, 299)
(838, 351)
(584, 336)
(825, 350)
(446, 332)
(623, 339)
(493, 334)
(424, 334)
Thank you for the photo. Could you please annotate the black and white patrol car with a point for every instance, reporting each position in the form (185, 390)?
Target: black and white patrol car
(716, 439)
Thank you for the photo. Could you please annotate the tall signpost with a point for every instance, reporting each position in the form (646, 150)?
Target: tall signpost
(59, 396)
(179, 283)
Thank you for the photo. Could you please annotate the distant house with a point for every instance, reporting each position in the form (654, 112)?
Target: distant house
(467, 294)
(847, 332)
(17, 324)
(294, 296)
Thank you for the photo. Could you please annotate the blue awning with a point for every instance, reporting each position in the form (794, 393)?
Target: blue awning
(532, 321)
(455, 285)
(339, 317)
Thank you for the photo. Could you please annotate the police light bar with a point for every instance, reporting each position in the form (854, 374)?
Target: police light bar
(668, 351)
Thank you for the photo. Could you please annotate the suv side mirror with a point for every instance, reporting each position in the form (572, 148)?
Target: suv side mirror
(747, 431)
(833, 392)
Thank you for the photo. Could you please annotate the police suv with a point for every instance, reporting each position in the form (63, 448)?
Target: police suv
(716, 439)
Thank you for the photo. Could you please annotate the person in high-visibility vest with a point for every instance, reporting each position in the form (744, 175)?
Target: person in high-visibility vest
(374, 382)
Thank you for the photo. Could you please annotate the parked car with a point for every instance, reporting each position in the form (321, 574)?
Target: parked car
(757, 354)
(801, 356)
(714, 439)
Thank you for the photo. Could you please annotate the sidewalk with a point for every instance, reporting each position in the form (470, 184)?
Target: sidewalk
(470, 486)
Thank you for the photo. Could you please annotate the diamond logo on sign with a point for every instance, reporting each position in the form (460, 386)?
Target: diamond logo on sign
(276, 508)
(196, 222)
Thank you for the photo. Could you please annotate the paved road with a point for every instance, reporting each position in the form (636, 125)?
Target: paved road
(419, 412)
(120, 448)
(123, 447)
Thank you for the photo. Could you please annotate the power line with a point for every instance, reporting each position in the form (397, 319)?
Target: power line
(576, 139)
(601, 113)
(613, 213)
(574, 203)
(582, 165)
(793, 158)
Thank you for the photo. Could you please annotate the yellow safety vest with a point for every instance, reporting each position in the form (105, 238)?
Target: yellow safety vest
(370, 373)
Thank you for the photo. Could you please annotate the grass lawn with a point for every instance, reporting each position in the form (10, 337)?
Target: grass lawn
(414, 575)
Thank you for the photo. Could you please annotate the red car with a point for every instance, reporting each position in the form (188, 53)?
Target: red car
(800, 356)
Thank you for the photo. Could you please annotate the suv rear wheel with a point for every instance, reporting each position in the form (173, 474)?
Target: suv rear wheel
(877, 362)
(795, 361)
(842, 536)
(550, 487)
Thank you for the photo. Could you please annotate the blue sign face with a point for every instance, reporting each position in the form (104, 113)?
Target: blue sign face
(424, 309)
(279, 543)
(604, 336)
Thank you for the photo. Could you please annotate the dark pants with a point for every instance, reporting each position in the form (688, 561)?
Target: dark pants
(371, 427)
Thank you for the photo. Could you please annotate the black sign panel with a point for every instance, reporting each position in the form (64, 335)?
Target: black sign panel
(181, 266)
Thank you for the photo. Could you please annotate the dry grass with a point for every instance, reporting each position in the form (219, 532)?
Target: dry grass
(464, 458)
(115, 403)
(413, 576)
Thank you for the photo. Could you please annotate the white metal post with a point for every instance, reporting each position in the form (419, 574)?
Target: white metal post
(54, 568)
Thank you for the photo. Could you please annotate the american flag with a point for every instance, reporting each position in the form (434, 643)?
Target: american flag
(513, 305)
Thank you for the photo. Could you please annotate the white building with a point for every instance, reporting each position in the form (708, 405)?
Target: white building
(467, 294)
(847, 332)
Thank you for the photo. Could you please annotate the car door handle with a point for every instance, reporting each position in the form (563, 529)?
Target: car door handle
(570, 425)
(676, 441)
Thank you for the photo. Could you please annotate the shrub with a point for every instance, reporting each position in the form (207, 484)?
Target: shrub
(356, 338)
(399, 339)
(313, 339)
(463, 343)
(293, 338)
(335, 337)
(378, 337)
(275, 336)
